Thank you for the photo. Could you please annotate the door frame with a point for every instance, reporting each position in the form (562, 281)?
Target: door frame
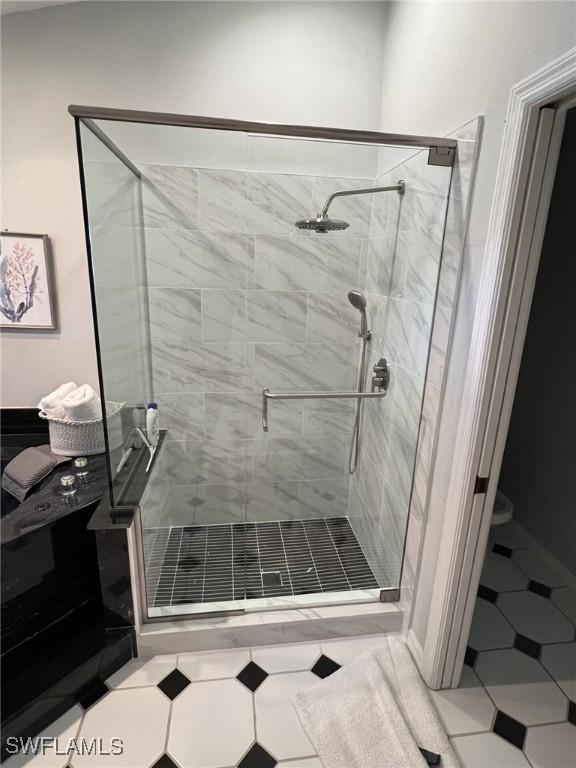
(523, 188)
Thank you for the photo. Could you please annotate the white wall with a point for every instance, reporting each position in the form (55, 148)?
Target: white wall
(445, 63)
(315, 63)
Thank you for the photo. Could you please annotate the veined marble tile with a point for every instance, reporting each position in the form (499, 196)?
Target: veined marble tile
(182, 415)
(225, 503)
(386, 208)
(222, 200)
(420, 251)
(174, 314)
(199, 367)
(272, 501)
(329, 418)
(411, 553)
(324, 498)
(439, 344)
(399, 467)
(421, 209)
(223, 315)
(363, 511)
(276, 316)
(276, 201)
(299, 459)
(112, 195)
(284, 417)
(184, 505)
(187, 259)
(394, 518)
(451, 256)
(239, 416)
(117, 255)
(170, 196)
(191, 462)
(294, 367)
(331, 318)
(366, 491)
(306, 263)
(430, 408)
(226, 415)
(406, 392)
(375, 425)
(408, 334)
(355, 209)
(382, 261)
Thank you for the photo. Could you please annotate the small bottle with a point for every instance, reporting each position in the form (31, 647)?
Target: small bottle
(152, 425)
(81, 467)
(67, 484)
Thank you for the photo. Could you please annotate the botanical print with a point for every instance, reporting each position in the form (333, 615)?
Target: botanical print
(24, 284)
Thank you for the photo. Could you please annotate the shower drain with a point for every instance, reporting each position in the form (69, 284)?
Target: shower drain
(271, 578)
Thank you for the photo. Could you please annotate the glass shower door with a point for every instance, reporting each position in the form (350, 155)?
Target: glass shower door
(224, 294)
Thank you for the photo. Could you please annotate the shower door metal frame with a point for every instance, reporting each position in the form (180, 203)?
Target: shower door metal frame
(441, 152)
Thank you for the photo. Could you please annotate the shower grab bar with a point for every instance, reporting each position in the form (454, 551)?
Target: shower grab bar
(267, 395)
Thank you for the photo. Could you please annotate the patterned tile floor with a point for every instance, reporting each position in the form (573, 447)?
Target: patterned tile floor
(232, 709)
(516, 704)
(216, 563)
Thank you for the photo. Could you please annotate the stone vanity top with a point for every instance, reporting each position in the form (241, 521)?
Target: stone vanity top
(46, 504)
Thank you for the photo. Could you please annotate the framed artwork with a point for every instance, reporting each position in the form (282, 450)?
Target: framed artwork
(26, 282)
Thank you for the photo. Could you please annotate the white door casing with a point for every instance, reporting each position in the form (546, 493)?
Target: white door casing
(522, 194)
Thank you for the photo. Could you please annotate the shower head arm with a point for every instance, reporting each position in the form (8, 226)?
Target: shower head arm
(400, 188)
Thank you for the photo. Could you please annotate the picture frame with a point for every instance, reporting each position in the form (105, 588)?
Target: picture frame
(27, 294)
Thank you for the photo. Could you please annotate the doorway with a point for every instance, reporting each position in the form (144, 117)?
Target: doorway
(520, 660)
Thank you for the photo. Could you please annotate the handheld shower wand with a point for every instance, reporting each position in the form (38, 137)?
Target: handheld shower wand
(358, 301)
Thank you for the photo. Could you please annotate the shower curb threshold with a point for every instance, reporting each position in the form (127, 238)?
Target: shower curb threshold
(269, 628)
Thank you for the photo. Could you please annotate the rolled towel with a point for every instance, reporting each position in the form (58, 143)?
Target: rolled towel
(82, 405)
(52, 404)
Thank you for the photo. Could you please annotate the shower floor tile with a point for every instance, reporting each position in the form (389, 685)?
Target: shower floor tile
(216, 563)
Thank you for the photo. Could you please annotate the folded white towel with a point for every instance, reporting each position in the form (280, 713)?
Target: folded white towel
(52, 404)
(83, 404)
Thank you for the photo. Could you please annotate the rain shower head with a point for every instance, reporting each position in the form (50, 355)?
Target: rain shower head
(322, 224)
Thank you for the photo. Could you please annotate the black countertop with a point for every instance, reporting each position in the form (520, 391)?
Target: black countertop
(46, 504)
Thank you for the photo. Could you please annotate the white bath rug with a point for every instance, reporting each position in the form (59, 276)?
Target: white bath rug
(375, 712)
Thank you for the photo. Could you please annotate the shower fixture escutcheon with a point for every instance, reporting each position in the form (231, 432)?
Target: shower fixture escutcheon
(323, 223)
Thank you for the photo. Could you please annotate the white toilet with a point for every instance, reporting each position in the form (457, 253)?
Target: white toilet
(503, 509)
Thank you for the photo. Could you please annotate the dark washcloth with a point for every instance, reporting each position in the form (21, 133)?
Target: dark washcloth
(28, 468)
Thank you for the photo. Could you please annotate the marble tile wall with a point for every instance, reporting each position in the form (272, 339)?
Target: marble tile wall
(240, 300)
(404, 253)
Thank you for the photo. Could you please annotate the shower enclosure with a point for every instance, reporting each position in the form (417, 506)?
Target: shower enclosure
(272, 289)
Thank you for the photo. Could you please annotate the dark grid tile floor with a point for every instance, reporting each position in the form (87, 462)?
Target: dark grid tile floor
(217, 563)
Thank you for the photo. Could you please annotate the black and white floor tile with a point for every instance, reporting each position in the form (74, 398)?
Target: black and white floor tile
(516, 704)
(218, 563)
(515, 707)
(212, 709)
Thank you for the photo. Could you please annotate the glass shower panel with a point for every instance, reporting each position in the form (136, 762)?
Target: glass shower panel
(236, 298)
(402, 270)
(113, 200)
(318, 531)
(198, 255)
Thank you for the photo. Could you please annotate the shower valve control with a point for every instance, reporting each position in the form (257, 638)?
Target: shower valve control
(381, 378)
